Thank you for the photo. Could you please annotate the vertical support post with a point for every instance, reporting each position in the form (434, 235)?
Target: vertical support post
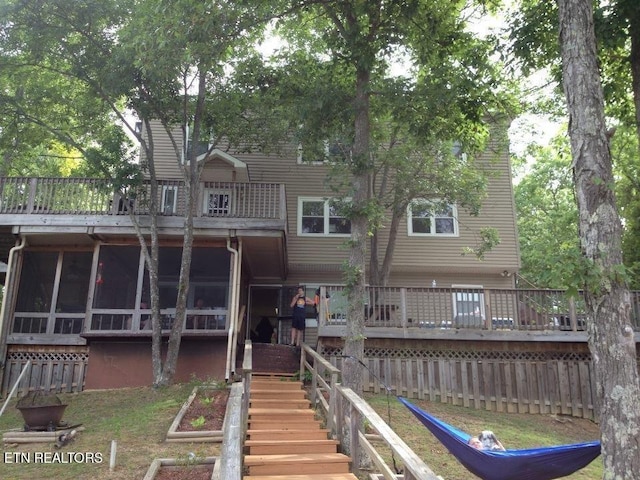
(403, 310)
(339, 417)
(31, 202)
(572, 314)
(112, 457)
(333, 393)
(283, 204)
(355, 421)
(314, 383)
(322, 308)
(487, 309)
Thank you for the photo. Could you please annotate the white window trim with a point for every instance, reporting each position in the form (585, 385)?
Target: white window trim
(326, 232)
(172, 208)
(216, 191)
(300, 157)
(454, 213)
(462, 289)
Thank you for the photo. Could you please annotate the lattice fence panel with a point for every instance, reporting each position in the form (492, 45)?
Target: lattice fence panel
(50, 371)
(499, 381)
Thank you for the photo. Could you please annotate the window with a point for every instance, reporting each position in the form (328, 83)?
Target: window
(468, 305)
(429, 217)
(169, 199)
(317, 216)
(327, 152)
(217, 202)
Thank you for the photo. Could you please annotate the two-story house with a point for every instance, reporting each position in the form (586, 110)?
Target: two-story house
(76, 298)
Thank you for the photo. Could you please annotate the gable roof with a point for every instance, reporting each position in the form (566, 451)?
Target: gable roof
(240, 167)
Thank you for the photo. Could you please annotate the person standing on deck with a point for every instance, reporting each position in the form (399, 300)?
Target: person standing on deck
(299, 303)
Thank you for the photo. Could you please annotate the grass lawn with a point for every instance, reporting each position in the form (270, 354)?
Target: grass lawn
(136, 418)
(513, 430)
(139, 418)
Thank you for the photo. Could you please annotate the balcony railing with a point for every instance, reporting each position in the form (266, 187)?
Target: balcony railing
(465, 308)
(86, 196)
(115, 321)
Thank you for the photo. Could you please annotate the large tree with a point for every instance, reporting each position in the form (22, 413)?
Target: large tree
(611, 335)
(163, 60)
(387, 127)
(533, 28)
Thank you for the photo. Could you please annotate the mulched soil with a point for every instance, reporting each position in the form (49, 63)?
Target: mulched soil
(187, 472)
(212, 405)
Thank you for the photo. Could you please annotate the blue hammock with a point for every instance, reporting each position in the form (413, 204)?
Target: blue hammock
(543, 463)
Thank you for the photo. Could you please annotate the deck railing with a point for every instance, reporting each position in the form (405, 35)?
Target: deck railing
(465, 308)
(87, 196)
(341, 407)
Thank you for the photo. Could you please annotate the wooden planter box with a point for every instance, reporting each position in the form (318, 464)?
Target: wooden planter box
(158, 463)
(174, 435)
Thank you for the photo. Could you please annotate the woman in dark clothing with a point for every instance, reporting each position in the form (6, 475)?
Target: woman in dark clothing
(264, 331)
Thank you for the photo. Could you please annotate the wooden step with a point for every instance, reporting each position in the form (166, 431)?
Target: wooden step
(307, 463)
(322, 476)
(279, 424)
(272, 375)
(281, 412)
(275, 393)
(305, 434)
(276, 384)
(280, 403)
(278, 447)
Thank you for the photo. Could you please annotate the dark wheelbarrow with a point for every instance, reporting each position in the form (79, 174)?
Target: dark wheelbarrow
(41, 412)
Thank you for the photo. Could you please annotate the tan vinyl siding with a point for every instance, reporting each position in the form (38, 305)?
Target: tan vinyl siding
(165, 160)
(302, 180)
(414, 255)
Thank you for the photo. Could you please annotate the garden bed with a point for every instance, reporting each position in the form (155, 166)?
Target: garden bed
(201, 417)
(173, 469)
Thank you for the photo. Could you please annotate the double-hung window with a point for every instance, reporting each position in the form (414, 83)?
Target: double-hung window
(318, 216)
(169, 199)
(432, 217)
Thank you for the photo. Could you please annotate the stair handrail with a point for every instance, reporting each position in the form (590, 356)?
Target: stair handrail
(414, 467)
(229, 464)
(320, 384)
(247, 371)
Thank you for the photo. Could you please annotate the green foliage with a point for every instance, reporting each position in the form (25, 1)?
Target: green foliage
(198, 422)
(488, 240)
(306, 377)
(548, 218)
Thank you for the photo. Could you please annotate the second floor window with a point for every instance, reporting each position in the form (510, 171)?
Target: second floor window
(430, 217)
(317, 216)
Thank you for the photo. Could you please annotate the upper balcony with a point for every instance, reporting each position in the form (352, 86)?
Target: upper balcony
(77, 205)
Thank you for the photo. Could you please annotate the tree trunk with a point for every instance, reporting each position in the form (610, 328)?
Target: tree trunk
(356, 277)
(631, 11)
(152, 257)
(380, 276)
(192, 182)
(611, 336)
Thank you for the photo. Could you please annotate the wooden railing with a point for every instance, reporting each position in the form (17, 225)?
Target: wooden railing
(229, 464)
(87, 196)
(234, 428)
(464, 308)
(345, 408)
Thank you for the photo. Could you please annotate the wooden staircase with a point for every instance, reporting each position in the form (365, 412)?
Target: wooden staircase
(284, 440)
